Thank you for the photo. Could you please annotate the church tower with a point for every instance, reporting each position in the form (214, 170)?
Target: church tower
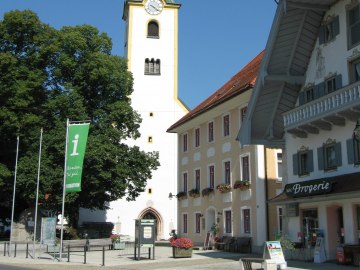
(151, 47)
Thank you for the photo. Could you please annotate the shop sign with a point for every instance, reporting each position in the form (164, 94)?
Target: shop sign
(309, 188)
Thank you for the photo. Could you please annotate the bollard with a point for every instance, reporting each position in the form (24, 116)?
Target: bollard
(68, 253)
(85, 247)
(4, 248)
(27, 250)
(15, 250)
(103, 257)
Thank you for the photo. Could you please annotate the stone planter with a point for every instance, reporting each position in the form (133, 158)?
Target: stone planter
(119, 245)
(182, 252)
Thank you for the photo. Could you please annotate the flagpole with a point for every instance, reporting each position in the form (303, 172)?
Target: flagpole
(37, 193)
(63, 199)
(14, 192)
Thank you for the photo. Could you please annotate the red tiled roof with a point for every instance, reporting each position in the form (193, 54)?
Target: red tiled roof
(243, 80)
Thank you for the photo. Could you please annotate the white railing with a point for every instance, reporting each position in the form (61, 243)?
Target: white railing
(327, 105)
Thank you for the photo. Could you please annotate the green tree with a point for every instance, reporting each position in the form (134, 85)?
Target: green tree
(47, 76)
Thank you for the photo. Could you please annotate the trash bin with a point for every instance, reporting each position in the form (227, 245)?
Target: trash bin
(343, 255)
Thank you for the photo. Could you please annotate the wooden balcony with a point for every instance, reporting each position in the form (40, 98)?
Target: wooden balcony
(325, 112)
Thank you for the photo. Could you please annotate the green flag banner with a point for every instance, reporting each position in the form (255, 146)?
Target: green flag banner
(77, 138)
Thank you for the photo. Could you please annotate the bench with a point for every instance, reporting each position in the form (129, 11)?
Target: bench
(102, 242)
(224, 242)
(246, 263)
(234, 244)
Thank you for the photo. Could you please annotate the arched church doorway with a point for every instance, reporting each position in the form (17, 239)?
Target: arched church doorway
(151, 213)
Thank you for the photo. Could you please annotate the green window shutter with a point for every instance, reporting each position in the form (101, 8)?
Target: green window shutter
(310, 161)
(336, 26)
(295, 164)
(350, 151)
(338, 81)
(320, 153)
(338, 155)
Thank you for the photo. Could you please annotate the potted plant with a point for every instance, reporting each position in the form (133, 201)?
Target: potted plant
(224, 188)
(181, 195)
(194, 193)
(182, 247)
(207, 191)
(116, 242)
(242, 184)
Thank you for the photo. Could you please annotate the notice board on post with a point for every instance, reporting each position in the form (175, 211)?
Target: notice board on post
(273, 251)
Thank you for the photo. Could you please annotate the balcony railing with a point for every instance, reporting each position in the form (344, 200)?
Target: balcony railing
(330, 104)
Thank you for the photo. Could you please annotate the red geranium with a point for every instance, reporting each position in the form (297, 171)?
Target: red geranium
(181, 242)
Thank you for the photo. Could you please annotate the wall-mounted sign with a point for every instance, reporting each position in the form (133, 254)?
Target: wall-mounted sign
(309, 188)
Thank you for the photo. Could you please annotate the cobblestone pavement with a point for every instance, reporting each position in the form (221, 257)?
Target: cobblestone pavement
(115, 259)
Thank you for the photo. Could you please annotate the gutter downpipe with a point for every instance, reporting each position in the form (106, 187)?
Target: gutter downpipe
(266, 196)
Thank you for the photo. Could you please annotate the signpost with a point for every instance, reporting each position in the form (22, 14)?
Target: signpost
(144, 236)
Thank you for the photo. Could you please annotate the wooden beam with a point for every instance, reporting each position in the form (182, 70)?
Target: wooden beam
(336, 120)
(308, 6)
(322, 124)
(286, 78)
(310, 129)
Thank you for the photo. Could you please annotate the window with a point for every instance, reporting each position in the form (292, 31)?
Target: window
(355, 71)
(243, 114)
(227, 172)
(197, 222)
(150, 139)
(185, 143)
(152, 66)
(303, 162)
(226, 125)
(246, 220)
(228, 226)
(197, 179)
(329, 156)
(330, 85)
(329, 30)
(185, 182)
(279, 162)
(353, 16)
(211, 176)
(211, 132)
(245, 168)
(280, 219)
(197, 137)
(153, 29)
(150, 191)
(185, 223)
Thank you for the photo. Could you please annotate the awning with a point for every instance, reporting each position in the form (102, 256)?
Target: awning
(322, 189)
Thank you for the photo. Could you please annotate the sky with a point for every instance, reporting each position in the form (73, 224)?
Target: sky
(217, 38)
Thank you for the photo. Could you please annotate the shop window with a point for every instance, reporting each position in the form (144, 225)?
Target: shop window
(329, 156)
(303, 162)
(329, 30)
(245, 168)
(228, 225)
(353, 16)
(310, 225)
(211, 132)
(185, 223)
(211, 176)
(226, 125)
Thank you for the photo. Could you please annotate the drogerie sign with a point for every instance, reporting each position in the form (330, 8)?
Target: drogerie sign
(309, 188)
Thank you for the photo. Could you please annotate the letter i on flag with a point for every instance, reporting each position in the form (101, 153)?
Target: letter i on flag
(75, 152)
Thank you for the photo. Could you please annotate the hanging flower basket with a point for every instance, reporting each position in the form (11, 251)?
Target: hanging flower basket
(194, 193)
(224, 188)
(182, 195)
(207, 191)
(242, 185)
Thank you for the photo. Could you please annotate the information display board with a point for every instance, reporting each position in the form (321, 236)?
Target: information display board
(144, 236)
(273, 250)
(48, 231)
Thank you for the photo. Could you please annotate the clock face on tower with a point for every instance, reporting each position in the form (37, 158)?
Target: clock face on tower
(153, 7)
